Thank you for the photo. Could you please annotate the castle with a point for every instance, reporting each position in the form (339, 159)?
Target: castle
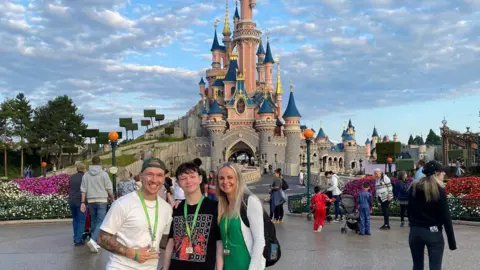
(240, 111)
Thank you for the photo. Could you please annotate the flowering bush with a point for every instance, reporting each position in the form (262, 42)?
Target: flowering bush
(463, 186)
(18, 204)
(57, 184)
(354, 186)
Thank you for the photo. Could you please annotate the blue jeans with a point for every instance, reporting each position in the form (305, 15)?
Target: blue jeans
(97, 214)
(78, 222)
(337, 205)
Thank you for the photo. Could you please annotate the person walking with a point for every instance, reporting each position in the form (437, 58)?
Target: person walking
(318, 206)
(364, 208)
(137, 224)
(97, 188)
(241, 224)
(419, 173)
(429, 214)
(384, 194)
(301, 178)
(401, 195)
(75, 202)
(336, 192)
(276, 198)
(126, 186)
(211, 192)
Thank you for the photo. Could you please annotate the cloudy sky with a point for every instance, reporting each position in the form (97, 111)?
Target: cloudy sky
(401, 65)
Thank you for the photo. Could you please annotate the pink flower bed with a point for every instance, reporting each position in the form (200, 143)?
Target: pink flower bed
(43, 186)
(354, 186)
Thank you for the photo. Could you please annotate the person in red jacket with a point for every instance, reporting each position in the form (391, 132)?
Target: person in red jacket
(318, 205)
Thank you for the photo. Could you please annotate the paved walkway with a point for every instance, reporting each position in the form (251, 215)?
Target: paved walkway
(48, 246)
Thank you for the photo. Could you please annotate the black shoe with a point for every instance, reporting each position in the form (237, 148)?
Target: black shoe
(384, 227)
(79, 244)
(402, 224)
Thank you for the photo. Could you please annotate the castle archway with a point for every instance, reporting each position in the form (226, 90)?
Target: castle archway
(240, 150)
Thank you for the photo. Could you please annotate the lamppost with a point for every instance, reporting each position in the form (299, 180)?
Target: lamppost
(360, 161)
(389, 160)
(44, 168)
(113, 137)
(308, 134)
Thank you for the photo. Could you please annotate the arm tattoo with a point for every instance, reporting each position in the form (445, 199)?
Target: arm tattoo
(110, 243)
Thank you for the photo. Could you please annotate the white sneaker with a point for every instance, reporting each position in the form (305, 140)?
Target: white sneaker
(93, 246)
(320, 229)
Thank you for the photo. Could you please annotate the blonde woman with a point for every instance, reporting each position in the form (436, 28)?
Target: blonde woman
(243, 245)
(429, 214)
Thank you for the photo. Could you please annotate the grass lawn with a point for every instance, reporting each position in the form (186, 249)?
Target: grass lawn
(122, 161)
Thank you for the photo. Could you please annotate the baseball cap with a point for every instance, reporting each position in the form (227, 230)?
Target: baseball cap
(153, 163)
(433, 166)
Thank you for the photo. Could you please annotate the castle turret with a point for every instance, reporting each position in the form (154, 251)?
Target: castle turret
(202, 87)
(293, 133)
(351, 129)
(350, 147)
(226, 33)
(268, 63)
(265, 126)
(375, 135)
(216, 50)
(236, 16)
(395, 137)
(368, 148)
(422, 149)
(260, 66)
(216, 127)
(321, 137)
(279, 90)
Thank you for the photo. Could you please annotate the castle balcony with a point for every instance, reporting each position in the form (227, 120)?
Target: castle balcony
(213, 72)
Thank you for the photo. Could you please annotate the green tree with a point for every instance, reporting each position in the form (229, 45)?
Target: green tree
(6, 126)
(145, 123)
(123, 122)
(159, 118)
(433, 139)
(22, 124)
(57, 125)
(151, 114)
(418, 140)
(410, 140)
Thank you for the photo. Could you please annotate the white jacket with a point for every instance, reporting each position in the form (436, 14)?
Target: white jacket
(254, 236)
(334, 188)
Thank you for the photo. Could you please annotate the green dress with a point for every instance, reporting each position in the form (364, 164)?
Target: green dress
(239, 258)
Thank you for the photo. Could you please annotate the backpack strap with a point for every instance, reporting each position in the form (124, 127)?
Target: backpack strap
(243, 210)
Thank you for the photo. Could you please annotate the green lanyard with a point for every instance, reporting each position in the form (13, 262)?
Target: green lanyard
(153, 233)
(189, 231)
(227, 220)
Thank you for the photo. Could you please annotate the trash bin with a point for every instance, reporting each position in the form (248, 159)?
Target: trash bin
(297, 203)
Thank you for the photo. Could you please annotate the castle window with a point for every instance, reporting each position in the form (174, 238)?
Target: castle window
(275, 157)
(213, 144)
(269, 139)
(232, 91)
(349, 144)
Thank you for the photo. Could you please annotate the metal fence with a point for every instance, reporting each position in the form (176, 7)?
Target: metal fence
(460, 208)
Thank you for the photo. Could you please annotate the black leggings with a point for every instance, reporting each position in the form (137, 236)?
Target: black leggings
(419, 238)
(279, 212)
(386, 218)
(403, 211)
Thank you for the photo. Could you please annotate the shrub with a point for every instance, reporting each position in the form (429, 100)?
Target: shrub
(354, 186)
(463, 186)
(57, 184)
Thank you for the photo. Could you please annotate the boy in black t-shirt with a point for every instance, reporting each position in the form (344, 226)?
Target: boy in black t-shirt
(195, 241)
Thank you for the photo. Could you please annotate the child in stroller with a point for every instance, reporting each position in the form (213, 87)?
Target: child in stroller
(352, 219)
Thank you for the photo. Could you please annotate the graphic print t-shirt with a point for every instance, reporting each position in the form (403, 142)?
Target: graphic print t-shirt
(204, 237)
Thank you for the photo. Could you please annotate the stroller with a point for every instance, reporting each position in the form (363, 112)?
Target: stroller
(87, 233)
(352, 220)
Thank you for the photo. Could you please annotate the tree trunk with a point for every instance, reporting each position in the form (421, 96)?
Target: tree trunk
(21, 161)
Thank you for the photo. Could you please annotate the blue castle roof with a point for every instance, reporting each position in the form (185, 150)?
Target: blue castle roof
(321, 134)
(348, 137)
(344, 133)
(240, 91)
(202, 82)
(218, 82)
(215, 44)
(236, 15)
(260, 48)
(266, 106)
(204, 110)
(232, 71)
(215, 108)
(375, 133)
(367, 141)
(268, 55)
(291, 110)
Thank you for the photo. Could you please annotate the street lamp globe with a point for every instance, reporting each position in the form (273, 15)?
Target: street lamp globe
(113, 136)
(308, 134)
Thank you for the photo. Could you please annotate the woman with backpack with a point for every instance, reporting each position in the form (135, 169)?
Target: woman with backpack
(243, 235)
(277, 197)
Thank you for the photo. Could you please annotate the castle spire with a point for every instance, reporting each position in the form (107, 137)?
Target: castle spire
(215, 44)
(291, 110)
(279, 89)
(268, 54)
(226, 25)
(236, 15)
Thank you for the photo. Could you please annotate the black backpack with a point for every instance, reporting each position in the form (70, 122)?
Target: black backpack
(285, 185)
(272, 251)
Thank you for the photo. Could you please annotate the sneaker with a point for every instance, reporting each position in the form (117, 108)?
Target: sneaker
(402, 224)
(320, 228)
(384, 227)
(92, 245)
(335, 220)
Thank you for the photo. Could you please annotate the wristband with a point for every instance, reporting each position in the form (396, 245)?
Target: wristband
(135, 258)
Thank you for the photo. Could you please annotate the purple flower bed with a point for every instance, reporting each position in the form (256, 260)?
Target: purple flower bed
(57, 185)
(354, 186)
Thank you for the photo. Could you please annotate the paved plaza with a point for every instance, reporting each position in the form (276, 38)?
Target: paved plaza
(49, 246)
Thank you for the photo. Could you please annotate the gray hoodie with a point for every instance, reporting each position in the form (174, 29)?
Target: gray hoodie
(96, 184)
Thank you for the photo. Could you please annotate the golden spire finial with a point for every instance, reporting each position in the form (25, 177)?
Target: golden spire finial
(279, 89)
(226, 26)
(291, 86)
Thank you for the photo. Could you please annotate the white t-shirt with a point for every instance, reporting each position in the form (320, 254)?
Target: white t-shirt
(126, 219)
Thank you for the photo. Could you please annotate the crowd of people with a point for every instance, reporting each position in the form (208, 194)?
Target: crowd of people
(201, 222)
(211, 221)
